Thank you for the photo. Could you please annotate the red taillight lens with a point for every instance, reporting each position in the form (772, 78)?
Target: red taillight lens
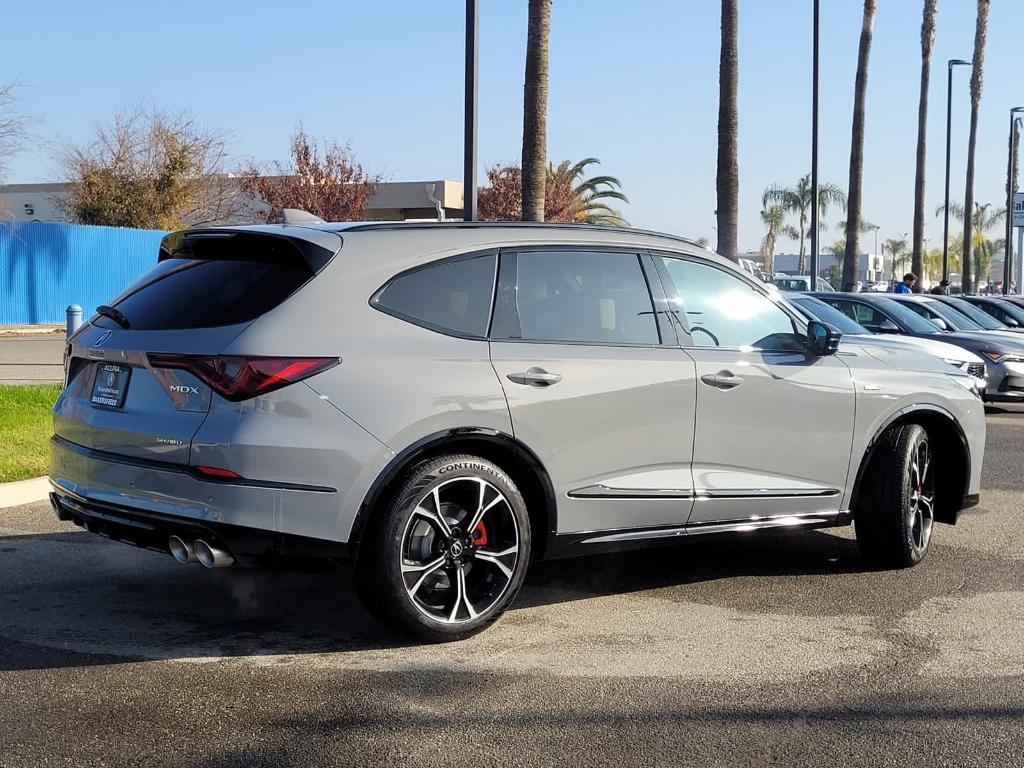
(241, 378)
(218, 472)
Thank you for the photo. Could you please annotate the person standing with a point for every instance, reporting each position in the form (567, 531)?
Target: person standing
(907, 286)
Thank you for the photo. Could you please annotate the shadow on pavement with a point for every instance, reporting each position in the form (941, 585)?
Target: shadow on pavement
(75, 600)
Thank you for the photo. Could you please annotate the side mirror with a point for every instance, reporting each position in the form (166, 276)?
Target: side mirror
(821, 339)
(888, 326)
(1010, 322)
(940, 323)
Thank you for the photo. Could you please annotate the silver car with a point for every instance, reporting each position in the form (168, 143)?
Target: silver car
(437, 405)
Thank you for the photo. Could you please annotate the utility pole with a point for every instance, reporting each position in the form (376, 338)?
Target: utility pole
(469, 185)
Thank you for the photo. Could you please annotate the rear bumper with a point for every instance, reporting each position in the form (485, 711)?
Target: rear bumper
(89, 484)
(152, 531)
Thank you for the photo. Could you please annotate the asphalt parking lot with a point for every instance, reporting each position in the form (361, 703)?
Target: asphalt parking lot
(773, 650)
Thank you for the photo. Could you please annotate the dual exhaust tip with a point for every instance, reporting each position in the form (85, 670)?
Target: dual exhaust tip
(199, 551)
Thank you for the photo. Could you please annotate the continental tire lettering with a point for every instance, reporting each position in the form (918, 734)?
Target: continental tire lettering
(460, 465)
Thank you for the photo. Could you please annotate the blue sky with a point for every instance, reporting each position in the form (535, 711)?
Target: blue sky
(634, 84)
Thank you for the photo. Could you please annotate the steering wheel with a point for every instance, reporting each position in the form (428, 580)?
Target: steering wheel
(695, 328)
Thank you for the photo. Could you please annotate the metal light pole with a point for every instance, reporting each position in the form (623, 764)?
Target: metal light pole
(1011, 173)
(469, 113)
(814, 156)
(876, 249)
(949, 130)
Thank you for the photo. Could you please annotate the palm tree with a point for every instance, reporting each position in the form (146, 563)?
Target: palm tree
(585, 196)
(860, 94)
(797, 201)
(535, 110)
(728, 182)
(898, 249)
(984, 219)
(774, 219)
(931, 8)
(977, 72)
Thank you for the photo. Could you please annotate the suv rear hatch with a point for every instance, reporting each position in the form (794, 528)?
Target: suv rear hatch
(141, 374)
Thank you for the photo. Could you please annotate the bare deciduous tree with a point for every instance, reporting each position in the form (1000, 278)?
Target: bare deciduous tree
(12, 128)
(150, 169)
(331, 185)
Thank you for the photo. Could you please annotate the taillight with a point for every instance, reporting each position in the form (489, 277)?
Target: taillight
(241, 378)
(217, 472)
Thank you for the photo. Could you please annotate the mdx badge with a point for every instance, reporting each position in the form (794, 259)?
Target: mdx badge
(184, 389)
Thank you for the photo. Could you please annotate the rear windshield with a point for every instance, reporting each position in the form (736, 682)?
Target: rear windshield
(213, 281)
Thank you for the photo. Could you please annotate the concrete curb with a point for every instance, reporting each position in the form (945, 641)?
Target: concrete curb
(24, 492)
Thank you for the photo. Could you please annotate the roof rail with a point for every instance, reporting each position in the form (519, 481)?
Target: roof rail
(369, 226)
(293, 217)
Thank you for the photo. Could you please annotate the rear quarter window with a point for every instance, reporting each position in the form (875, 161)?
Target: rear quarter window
(452, 296)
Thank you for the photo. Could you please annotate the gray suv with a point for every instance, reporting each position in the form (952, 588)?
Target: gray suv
(437, 405)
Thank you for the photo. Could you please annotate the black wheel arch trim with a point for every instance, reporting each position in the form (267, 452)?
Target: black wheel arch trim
(429, 444)
(902, 415)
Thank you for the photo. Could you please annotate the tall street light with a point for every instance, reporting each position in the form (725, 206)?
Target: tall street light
(876, 227)
(949, 130)
(469, 112)
(814, 156)
(1011, 175)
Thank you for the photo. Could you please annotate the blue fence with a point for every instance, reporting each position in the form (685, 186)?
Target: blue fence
(44, 267)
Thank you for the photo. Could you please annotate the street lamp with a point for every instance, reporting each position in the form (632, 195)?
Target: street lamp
(875, 228)
(814, 155)
(469, 112)
(949, 130)
(1011, 174)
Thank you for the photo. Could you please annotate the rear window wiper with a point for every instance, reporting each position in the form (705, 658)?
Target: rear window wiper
(114, 314)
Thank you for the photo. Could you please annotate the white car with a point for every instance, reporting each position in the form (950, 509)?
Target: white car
(799, 283)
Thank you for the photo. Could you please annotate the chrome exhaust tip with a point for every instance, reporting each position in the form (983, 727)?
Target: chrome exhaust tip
(181, 550)
(210, 556)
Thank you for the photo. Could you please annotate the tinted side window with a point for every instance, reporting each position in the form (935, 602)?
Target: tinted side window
(584, 296)
(453, 296)
(860, 313)
(722, 310)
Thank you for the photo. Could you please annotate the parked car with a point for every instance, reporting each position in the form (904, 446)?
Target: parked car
(977, 314)
(949, 318)
(1003, 353)
(799, 283)
(440, 404)
(1006, 312)
(958, 357)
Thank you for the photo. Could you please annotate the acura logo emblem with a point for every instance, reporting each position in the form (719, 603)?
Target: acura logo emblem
(102, 338)
(456, 549)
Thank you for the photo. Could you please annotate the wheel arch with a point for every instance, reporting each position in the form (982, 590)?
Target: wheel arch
(952, 454)
(521, 464)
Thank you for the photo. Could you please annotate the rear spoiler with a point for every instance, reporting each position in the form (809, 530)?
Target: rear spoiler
(312, 250)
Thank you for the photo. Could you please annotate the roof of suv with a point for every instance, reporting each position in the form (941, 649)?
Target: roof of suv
(553, 230)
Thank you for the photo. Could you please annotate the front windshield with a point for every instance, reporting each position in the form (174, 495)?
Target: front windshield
(982, 318)
(957, 321)
(907, 317)
(819, 310)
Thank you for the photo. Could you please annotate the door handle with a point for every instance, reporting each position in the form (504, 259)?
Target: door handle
(722, 380)
(535, 377)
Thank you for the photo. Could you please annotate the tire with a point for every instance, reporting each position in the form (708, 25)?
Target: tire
(429, 577)
(895, 512)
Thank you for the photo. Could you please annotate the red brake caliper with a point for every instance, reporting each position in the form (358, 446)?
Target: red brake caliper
(480, 535)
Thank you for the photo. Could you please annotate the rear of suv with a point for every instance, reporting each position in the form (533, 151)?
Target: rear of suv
(438, 405)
